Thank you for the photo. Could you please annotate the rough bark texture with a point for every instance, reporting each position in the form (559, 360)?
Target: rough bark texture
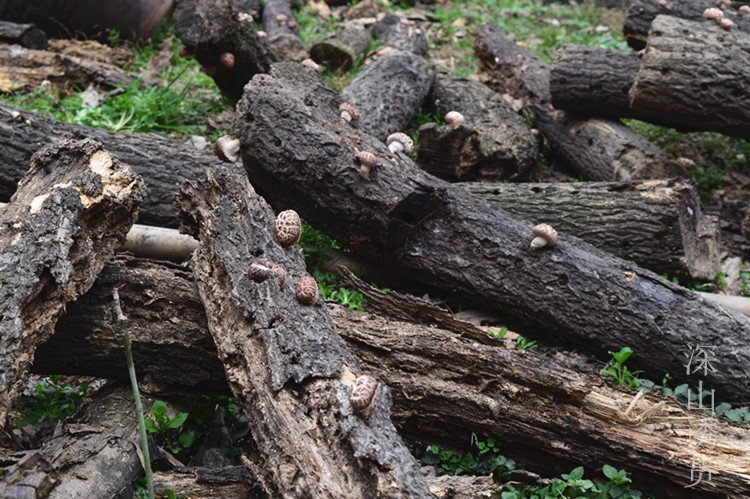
(340, 50)
(401, 34)
(26, 35)
(592, 80)
(300, 156)
(166, 321)
(92, 455)
(26, 69)
(597, 149)
(284, 361)
(494, 143)
(282, 32)
(210, 28)
(605, 150)
(642, 13)
(163, 163)
(694, 76)
(388, 92)
(660, 224)
(454, 381)
(70, 214)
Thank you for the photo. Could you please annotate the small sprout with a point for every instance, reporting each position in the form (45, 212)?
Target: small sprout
(365, 161)
(288, 227)
(362, 396)
(261, 269)
(281, 18)
(400, 142)
(544, 235)
(348, 112)
(306, 290)
(455, 118)
(227, 149)
(726, 23)
(311, 64)
(712, 13)
(227, 60)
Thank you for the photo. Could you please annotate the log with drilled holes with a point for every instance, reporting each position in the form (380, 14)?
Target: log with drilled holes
(282, 31)
(548, 415)
(399, 33)
(285, 363)
(693, 76)
(70, 214)
(299, 155)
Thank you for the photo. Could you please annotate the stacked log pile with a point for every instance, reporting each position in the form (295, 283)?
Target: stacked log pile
(325, 389)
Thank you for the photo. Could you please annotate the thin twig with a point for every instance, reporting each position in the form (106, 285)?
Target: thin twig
(136, 394)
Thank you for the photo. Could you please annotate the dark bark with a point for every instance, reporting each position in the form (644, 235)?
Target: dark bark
(26, 69)
(546, 413)
(282, 31)
(660, 225)
(300, 156)
(642, 13)
(388, 92)
(341, 50)
(26, 35)
(401, 34)
(163, 163)
(597, 149)
(211, 28)
(694, 76)
(593, 81)
(605, 150)
(71, 212)
(494, 143)
(284, 361)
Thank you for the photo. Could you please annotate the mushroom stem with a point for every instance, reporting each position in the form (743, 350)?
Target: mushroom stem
(395, 146)
(538, 242)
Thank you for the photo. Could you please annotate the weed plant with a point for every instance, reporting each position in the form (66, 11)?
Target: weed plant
(52, 401)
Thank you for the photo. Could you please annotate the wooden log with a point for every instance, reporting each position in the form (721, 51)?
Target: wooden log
(282, 31)
(284, 361)
(443, 236)
(449, 389)
(593, 81)
(400, 33)
(343, 49)
(388, 92)
(642, 13)
(494, 143)
(163, 163)
(604, 150)
(69, 215)
(26, 69)
(716, 63)
(659, 224)
(25, 35)
(223, 41)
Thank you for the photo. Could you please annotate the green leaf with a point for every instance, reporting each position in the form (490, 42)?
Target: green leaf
(159, 410)
(151, 426)
(177, 420)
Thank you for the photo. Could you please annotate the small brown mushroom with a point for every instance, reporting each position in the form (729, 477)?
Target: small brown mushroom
(744, 10)
(187, 52)
(261, 269)
(227, 149)
(362, 396)
(400, 142)
(227, 59)
(288, 227)
(365, 161)
(306, 290)
(348, 112)
(291, 24)
(281, 18)
(726, 23)
(454, 118)
(544, 235)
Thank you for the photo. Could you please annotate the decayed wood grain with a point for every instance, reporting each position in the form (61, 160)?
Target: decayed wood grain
(70, 214)
(284, 361)
(298, 154)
